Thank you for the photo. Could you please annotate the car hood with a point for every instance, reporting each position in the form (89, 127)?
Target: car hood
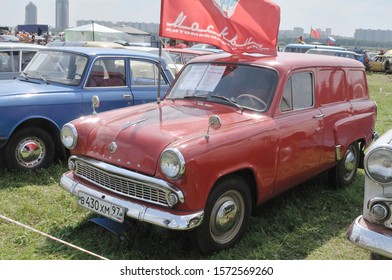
(135, 137)
(17, 87)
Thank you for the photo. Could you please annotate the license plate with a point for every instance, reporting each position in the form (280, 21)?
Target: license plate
(101, 207)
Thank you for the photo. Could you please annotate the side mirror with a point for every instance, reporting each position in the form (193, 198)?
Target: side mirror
(215, 123)
(95, 103)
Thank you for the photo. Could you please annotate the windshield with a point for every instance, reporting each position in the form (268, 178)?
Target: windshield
(245, 86)
(56, 66)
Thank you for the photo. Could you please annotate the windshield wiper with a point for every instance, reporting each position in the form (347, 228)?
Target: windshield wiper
(195, 96)
(23, 75)
(43, 78)
(231, 101)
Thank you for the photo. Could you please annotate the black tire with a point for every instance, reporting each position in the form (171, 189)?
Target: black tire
(29, 149)
(344, 172)
(231, 194)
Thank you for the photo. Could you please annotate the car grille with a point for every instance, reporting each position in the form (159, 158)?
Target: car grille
(121, 185)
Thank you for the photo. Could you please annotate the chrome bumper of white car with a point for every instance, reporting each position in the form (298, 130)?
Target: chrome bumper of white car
(364, 235)
(138, 211)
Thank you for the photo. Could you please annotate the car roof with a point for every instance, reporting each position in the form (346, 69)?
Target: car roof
(188, 50)
(282, 61)
(103, 51)
(329, 50)
(4, 45)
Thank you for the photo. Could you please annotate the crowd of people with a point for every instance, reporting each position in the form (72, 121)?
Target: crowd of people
(32, 37)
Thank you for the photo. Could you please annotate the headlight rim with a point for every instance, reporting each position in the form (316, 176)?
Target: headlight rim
(180, 159)
(74, 134)
(379, 147)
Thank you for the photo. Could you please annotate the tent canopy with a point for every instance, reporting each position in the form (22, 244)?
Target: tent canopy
(95, 32)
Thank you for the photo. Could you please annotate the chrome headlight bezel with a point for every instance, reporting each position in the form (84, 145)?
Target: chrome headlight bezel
(69, 136)
(378, 164)
(172, 163)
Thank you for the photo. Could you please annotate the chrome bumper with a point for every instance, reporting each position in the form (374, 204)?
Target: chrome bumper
(363, 234)
(138, 211)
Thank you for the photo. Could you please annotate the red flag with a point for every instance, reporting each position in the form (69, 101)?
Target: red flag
(236, 26)
(314, 33)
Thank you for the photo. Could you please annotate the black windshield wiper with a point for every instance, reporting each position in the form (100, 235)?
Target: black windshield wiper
(195, 97)
(231, 101)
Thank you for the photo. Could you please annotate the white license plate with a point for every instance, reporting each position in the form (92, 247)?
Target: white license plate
(101, 207)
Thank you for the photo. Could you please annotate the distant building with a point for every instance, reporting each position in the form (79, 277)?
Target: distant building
(62, 14)
(373, 35)
(31, 14)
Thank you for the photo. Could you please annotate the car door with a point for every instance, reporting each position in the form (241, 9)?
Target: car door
(300, 127)
(144, 76)
(107, 79)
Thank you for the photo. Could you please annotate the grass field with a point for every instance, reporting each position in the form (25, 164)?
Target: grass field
(307, 223)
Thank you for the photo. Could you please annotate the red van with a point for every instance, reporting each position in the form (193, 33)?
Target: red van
(232, 132)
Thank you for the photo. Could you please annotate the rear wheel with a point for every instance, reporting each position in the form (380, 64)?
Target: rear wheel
(343, 174)
(226, 216)
(29, 149)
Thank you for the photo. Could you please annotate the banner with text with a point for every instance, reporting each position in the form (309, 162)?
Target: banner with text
(235, 26)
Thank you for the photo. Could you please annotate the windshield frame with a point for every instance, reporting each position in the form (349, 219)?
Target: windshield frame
(57, 66)
(224, 83)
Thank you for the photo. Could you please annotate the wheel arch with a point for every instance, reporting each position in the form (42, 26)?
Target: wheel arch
(248, 175)
(47, 125)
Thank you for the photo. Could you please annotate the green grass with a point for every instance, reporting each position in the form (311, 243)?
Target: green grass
(307, 223)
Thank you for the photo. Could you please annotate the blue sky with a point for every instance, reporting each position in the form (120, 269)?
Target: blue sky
(342, 16)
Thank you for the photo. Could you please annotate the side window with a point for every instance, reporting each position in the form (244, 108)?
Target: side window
(188, 57)
(9, 61)
(26, 58)
(298, 93)
(107, 73)
(145, 73)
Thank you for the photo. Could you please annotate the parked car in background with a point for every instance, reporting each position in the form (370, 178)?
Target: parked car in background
(9, 38)
(365, 58)
(91, 44)
(373, 229)
(232, 132)
(380, 63)
(339, 53)
(58, 85)
(303, 48)
(182, 56)
(14, 57)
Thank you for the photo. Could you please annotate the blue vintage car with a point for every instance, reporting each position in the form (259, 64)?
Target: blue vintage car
(58, 85)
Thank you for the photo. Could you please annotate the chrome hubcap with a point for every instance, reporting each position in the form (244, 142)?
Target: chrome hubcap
(350, 162)
(30, 152)
(227, 217)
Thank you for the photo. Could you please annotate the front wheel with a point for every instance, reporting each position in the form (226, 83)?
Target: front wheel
(29, 149)
(343, 174)
(226, 216)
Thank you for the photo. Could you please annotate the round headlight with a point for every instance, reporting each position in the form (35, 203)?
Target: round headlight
(378, 165)
(69, 136)
(172, 163)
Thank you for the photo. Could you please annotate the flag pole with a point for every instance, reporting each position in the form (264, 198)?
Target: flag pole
(159, 71)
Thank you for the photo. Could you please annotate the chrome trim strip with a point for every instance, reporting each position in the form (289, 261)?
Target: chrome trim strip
(369, 239)
(138, 211)
(130, 174)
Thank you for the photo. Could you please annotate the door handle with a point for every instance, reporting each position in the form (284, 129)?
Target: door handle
(318, 116)
(127, 96)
